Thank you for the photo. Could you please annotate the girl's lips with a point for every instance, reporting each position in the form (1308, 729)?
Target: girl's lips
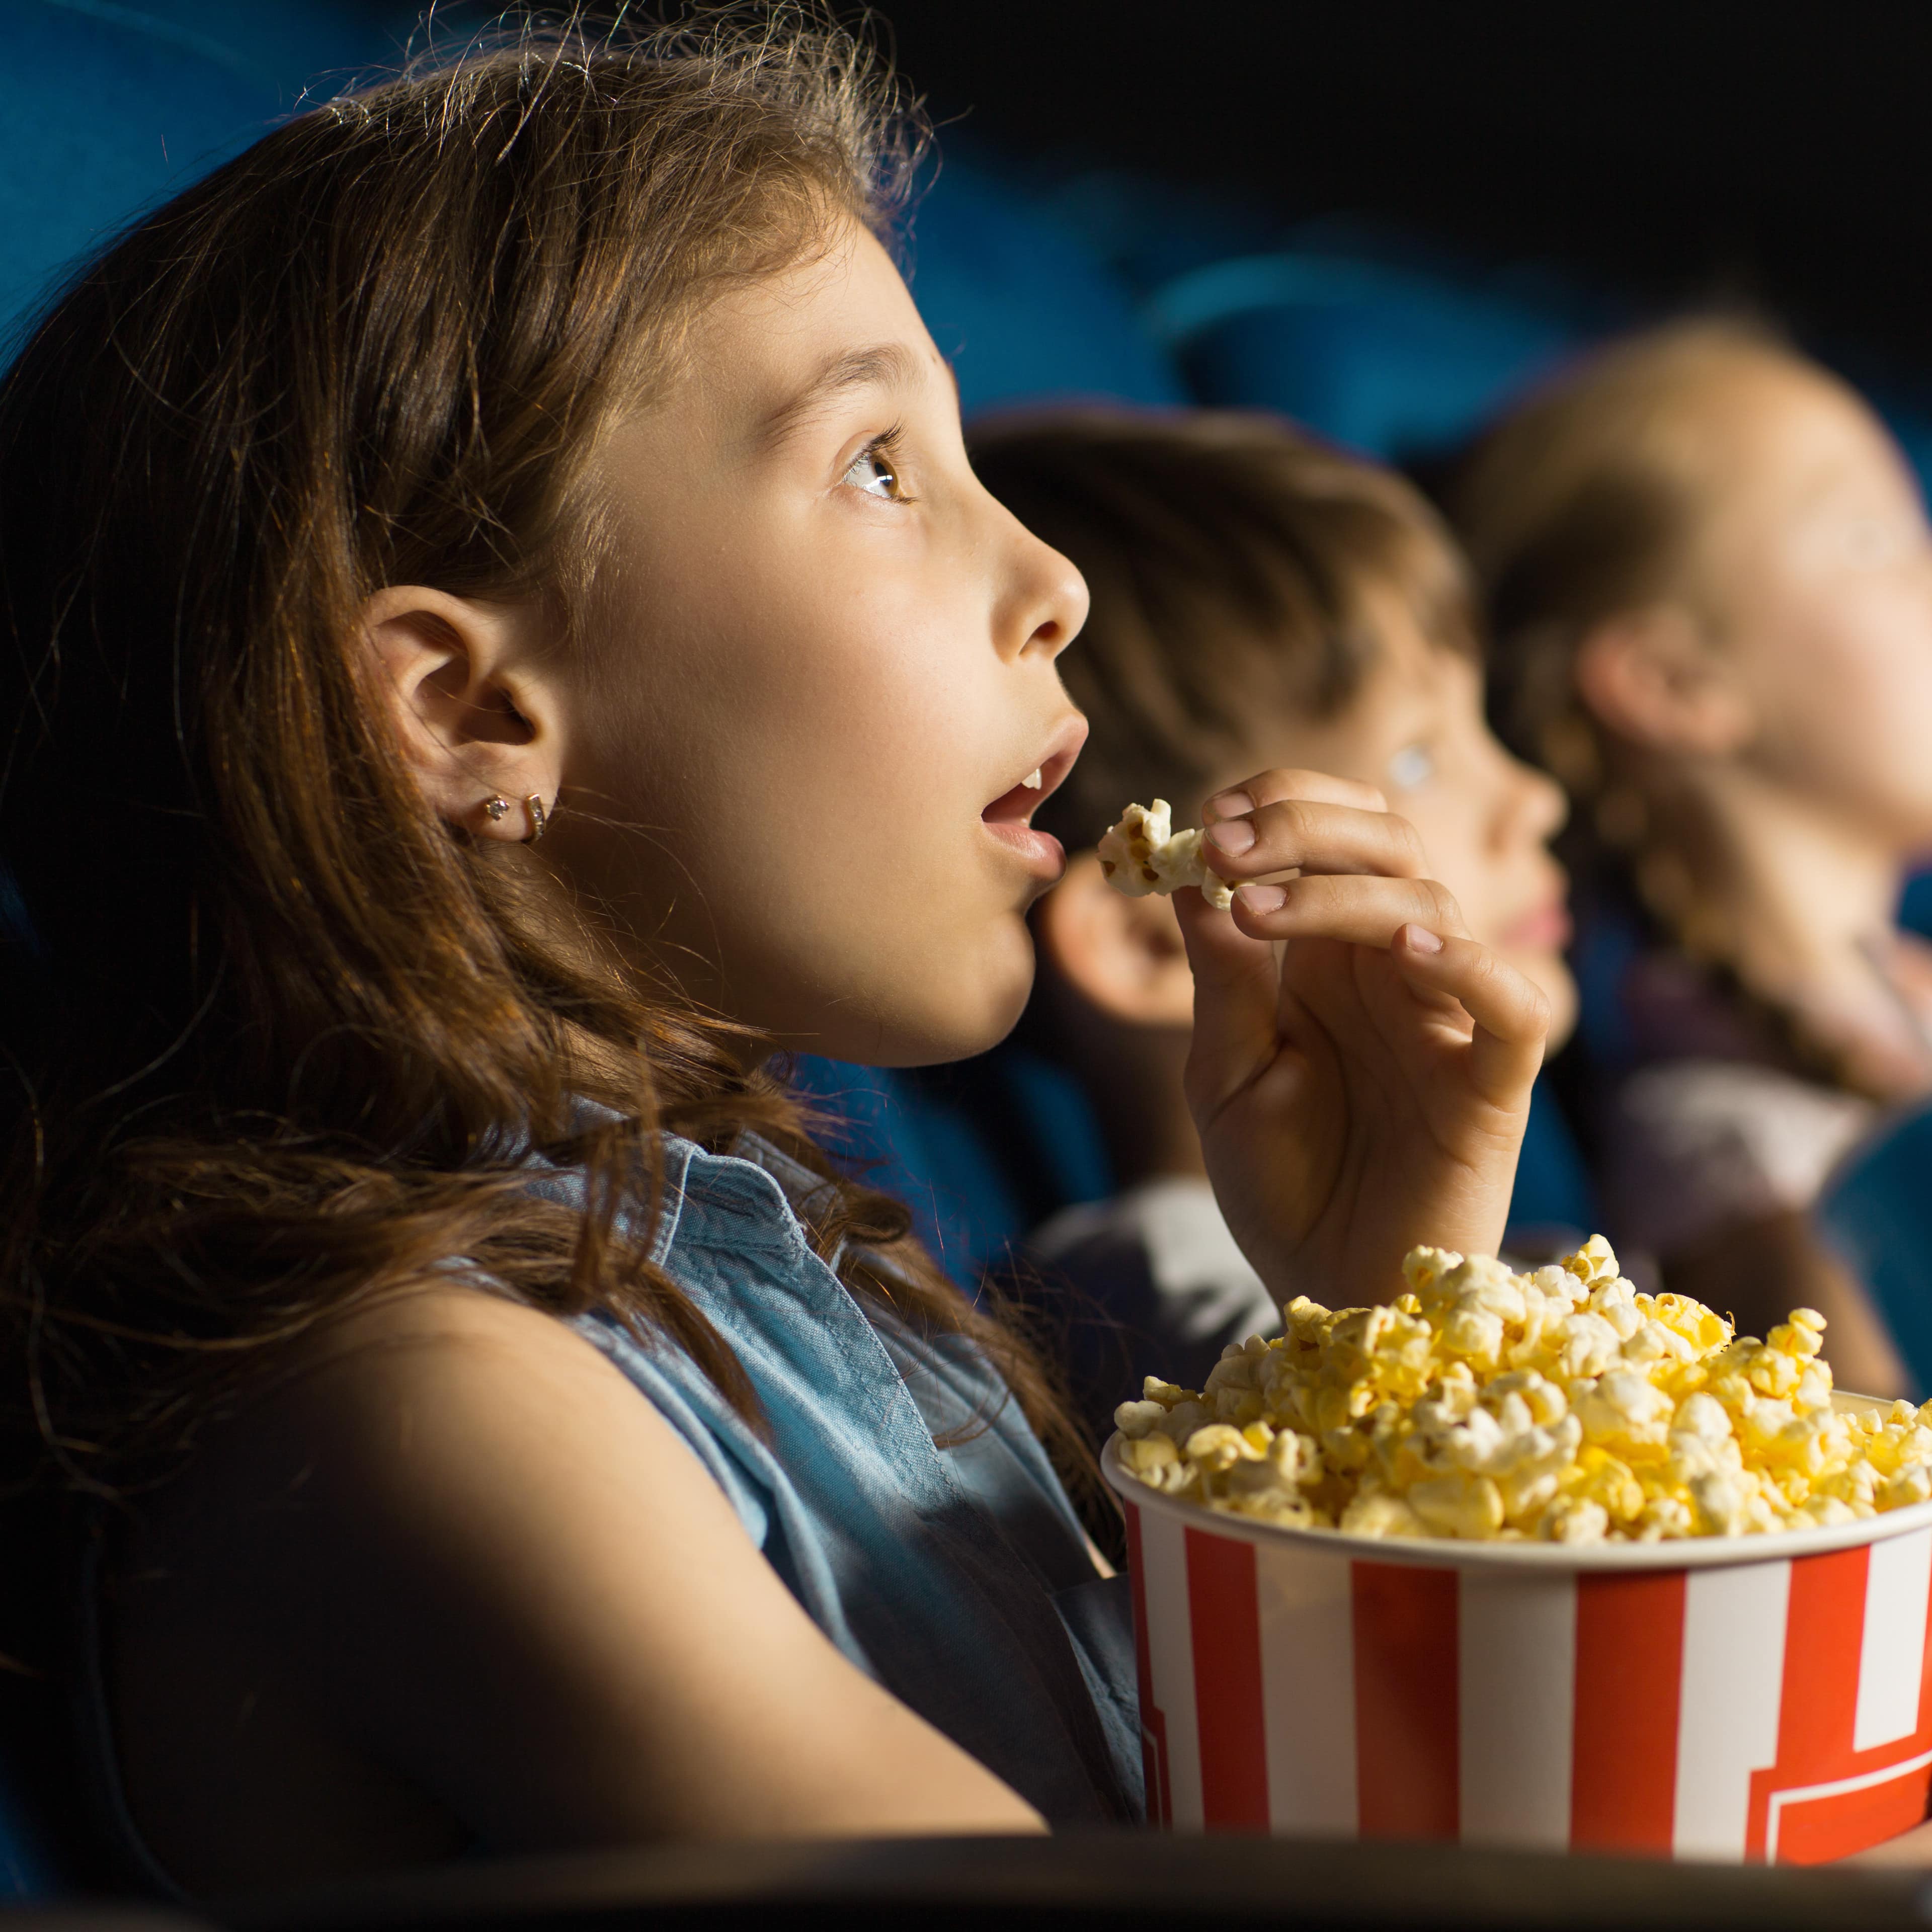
(1043, 853)
(1019, 802)
(1005, 818)
(1546, 930)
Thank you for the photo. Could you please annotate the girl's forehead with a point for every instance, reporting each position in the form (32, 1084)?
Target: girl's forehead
(1786, 426)
(786, 343)
(1771, 446)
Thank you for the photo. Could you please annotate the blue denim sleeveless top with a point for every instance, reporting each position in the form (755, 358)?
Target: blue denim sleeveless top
(959, 1578)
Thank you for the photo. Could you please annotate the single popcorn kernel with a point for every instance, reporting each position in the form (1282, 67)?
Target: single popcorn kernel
(1144, 854)
(1561, 1405)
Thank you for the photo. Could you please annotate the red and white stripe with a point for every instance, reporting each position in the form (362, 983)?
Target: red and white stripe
(1778, 1711)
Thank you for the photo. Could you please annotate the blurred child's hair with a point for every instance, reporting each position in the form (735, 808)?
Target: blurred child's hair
(274, 1036)
(1239, 569)
(1586, 501)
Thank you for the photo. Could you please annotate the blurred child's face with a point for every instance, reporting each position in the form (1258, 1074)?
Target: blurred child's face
(1415, 730)
(1817, 565)
(818, 669)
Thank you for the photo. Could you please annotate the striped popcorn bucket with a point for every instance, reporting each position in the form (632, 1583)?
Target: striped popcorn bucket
(1763, 1699)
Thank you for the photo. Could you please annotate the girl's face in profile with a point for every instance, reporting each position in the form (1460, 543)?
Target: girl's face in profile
(817, 675)
(1817, 566)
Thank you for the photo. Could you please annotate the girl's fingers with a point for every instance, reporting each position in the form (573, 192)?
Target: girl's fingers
(1364, 909)
(1271, 788)
(1236, 991)
(1312, 835)
(1511, 1015)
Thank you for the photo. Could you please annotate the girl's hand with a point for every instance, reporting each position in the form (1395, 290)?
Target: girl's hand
(1361, 1068)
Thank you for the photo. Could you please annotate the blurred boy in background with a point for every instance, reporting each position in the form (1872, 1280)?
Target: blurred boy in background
(1259, 600)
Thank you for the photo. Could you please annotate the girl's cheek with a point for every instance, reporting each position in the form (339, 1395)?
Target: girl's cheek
(1468, 864)
(1884, 663)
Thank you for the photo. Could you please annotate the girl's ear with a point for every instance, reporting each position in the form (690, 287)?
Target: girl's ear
(1124, 957)
(478, 721)
(1653, 678)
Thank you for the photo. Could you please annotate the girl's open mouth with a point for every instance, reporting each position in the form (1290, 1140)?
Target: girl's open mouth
(1007, 816)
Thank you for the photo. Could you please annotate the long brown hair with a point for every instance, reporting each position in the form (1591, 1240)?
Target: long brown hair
(276, 1038)
(1585, 502)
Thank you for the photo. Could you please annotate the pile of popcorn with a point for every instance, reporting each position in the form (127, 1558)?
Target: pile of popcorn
(1143, 854)
(1560, 1404)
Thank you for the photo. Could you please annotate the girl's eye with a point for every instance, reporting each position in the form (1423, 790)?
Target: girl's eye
(1413, 765)
(875, 472)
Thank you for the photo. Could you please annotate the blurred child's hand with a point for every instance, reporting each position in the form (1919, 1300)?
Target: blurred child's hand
(1361, 1068)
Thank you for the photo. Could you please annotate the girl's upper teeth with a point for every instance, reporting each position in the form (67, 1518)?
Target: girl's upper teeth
(1031, 780)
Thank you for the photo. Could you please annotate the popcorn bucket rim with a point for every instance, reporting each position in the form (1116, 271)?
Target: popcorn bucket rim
(1689, 1552)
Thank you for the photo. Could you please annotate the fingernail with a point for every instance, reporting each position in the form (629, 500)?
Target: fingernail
(1261, 898)
(1233, 835)
(1420, 939)
(1230, 804)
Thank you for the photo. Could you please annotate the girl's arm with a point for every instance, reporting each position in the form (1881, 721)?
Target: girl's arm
(1361, 1068)
(460, 1552)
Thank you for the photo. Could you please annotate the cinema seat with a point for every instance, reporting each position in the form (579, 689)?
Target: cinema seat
(1023, 309)
(31, 1867)
(98, 117)
(104, 109)
(1387, 360)
(1875, 1212)
(1083, 1882)
(981, 1153)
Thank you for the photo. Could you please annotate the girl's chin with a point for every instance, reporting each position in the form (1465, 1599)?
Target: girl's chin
(986, 1008)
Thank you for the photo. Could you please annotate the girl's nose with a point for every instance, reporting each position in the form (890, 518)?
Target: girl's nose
(1046, 601)
(1534, 804)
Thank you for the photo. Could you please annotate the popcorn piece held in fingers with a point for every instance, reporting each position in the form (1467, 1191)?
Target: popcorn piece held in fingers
(1144, 854)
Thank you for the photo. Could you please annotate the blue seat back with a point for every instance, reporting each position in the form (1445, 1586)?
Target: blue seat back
(1875, 1212)
(101, 115)
(101, 112)
(1386, 360)
(29, 1866)
(1021, 307)
(106, 109)
(1915, 911)
(1553, 1188)
(980, 1154)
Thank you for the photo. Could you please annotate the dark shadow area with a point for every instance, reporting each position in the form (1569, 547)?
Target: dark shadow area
(1184, 1884)
(1775, 153)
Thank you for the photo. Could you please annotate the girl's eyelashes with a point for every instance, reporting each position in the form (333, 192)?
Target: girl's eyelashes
(1413, 765)
(875, 471)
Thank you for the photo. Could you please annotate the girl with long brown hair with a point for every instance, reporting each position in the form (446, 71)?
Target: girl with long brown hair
(1710, 576)
(502, 638)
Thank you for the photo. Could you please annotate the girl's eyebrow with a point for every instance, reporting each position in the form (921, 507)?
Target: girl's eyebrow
(886, 365)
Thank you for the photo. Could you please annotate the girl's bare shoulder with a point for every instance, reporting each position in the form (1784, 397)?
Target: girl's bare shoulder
(406, 1399)
(453, 1538)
